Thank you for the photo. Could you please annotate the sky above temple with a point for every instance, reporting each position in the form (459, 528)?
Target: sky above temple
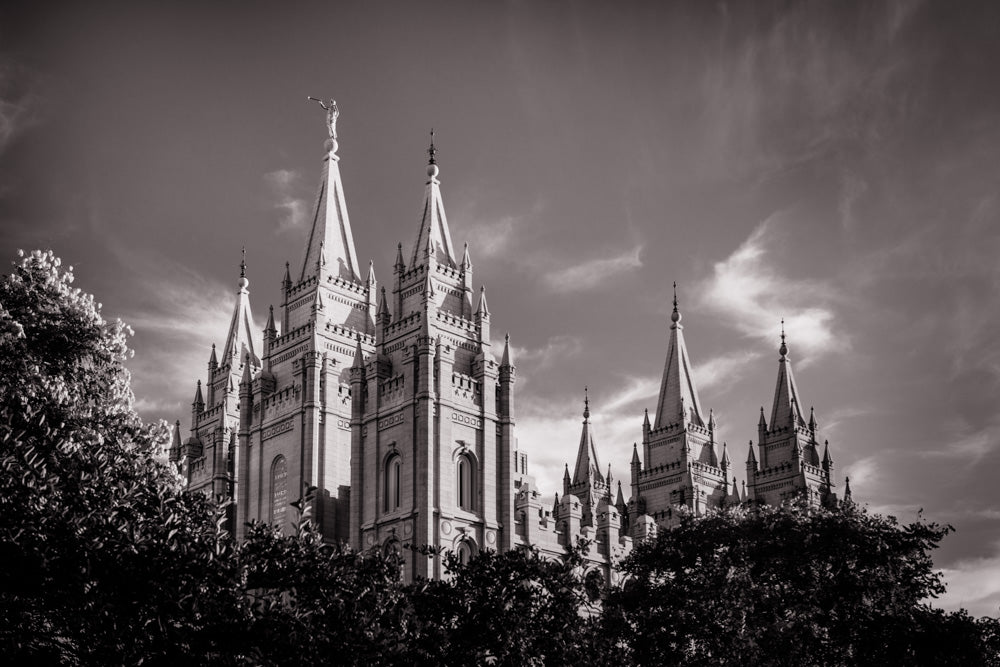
(834, 164)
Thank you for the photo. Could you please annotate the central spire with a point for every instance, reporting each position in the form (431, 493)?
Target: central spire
(787, 410)
(587, 464)
(678, 401)
(240, 339)
(434, 236)
(331, 227)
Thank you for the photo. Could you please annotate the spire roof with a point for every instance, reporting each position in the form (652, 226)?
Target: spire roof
(331, 227)
(483, 308)
(506, 359)
(240, 339)
(786, 411)
(433, 233)
(587, 463)
(678, 395)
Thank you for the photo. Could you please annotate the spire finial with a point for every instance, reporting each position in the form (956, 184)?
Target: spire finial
(432, 168)
(586, 402)
(783, 350)
(243, 263)
(675, 316)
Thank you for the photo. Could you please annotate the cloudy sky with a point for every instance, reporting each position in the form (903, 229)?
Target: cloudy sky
(832, 163)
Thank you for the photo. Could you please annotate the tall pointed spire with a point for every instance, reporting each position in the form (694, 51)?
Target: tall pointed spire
(240, 339)
(483, 308)
(506, 359)
(331, 226)
(678, 401)
(587, 463)
(787, 410)
(433, 231)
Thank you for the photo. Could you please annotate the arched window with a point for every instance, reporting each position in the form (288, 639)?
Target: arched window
(279, 491)
(465, 478)
(393, 474)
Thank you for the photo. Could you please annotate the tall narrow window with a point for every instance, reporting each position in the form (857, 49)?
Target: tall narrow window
(393, 474)
(466, 480)
(279, 491)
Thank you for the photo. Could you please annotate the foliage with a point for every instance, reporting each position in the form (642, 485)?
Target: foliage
(511, 608)
(106, 560)
(789, 585)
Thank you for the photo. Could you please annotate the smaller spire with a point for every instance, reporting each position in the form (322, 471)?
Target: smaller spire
(620, 500)
(318, 301)
(635, 454)
(175, 439)
(213, 361)
(812, 419)
(711, 419)
(827, 458)
(751, 458)
(506, 359)
(286, 282)
(399, 265)
(198, 400)
(483, 308)
(359, 355)
(270, 328)
(762, 422)
(608, 478)
(586, 403)
(726, 462)
(645, 418)
(371, 272)
(246, 369)
(847, 490)
(383, 305)
(736, 492)
(466, 260)
(566, 474)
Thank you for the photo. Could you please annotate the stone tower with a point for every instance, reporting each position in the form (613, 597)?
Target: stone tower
(790, 464)
(433, 452)
(679, 466)
(209, 457)
(588, 483)
(295, 406)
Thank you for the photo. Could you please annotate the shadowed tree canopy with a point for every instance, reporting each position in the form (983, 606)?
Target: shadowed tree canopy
(794, 585)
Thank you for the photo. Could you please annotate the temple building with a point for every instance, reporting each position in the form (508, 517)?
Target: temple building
(387, 417)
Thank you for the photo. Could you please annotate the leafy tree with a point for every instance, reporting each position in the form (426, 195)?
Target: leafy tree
(510, 608)
(790, 585)
(105, 559)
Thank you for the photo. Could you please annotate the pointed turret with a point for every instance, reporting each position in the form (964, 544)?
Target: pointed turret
(383, 316)
(566, 479)
(587, 464)
(247, 375)
(330, 233)
(198, 400)
(751, 457)
(725, 463)
(847, 490)
(359, 355)
(506, 360)
(787, 411)
(483, 308)
(433, 235)
(678, 402)
(734, 495)
(286, 282)
(240, 339)
(270, 330)
(827, 458)
(428, 288)
(213, 361)
(370, 280)
(466, 260)
(812, 419)
(635, 455)
(174, 453)
(399, 266)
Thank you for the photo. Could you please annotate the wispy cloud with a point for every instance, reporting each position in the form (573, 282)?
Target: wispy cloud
(19, 101)
(556, 349)
(724, 369)
(749, 290)
(490, 239)
(284, 184)
(973, 584)
(589, 274)
(969, 445)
